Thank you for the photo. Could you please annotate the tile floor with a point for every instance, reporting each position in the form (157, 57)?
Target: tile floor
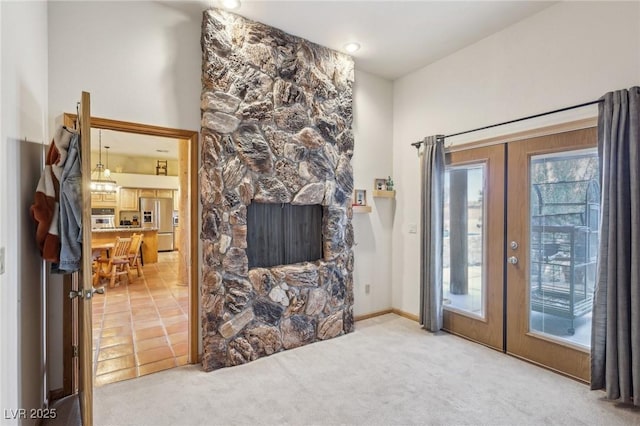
(141, 327)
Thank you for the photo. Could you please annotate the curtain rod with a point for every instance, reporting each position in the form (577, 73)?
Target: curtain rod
(417, 144)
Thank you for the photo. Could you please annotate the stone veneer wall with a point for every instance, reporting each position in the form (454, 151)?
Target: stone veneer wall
(276, 128)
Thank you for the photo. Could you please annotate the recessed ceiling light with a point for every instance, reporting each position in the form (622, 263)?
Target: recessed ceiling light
(230, 4)
(352, 47)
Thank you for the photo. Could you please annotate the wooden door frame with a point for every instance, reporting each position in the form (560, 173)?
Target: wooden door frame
(192, 138)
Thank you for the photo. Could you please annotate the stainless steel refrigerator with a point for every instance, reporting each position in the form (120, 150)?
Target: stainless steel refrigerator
(158, 213)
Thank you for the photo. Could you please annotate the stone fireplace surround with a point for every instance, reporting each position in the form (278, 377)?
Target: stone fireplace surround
(276, 128)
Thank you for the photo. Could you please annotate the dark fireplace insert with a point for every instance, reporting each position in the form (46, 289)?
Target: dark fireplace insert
(283, 234)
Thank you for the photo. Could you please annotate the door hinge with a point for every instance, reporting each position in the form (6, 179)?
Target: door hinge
(75, 351)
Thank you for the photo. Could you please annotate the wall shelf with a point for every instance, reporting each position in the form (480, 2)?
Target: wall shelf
(382, 190)
(361, 209)
(384, 194)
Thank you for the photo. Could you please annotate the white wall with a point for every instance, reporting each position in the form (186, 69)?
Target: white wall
(373, 132)
(139, 60)
(134, 180)
(570, 53)
(22, 135)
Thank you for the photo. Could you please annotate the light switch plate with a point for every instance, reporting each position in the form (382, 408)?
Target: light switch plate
(413, 228)
(1, 260)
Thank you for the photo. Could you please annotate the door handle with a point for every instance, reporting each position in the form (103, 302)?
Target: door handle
(73, 294)
(513, 260)
(89, 293)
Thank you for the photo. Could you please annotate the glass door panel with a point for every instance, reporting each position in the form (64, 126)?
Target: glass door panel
(463, 249)
(563, 218)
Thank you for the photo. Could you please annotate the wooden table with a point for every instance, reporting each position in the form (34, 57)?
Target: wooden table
(149, 240)
(97, 249)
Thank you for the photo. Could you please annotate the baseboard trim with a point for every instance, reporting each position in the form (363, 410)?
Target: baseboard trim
(372, 315)
(404, 314)
(407, 315)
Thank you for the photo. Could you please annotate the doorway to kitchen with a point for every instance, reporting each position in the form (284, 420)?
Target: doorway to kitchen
(149, 321)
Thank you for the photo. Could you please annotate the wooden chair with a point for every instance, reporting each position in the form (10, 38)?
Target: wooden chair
(134, 253)
(117, 264)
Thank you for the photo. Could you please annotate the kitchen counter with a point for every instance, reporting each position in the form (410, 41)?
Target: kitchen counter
(124, 229)
(149, 239)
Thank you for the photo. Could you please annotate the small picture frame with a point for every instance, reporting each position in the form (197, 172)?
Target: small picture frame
(380, 184)
(359, 197)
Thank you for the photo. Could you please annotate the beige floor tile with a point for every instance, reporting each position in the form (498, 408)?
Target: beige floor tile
(142, 303)
(117, 316)
(114, 364)
(169, 312)
(148, 333)
(116, 376)
(178, 319)
(180, 349)
(140, 325)
(157, 366)
(139, 315)
(147, 344)
(140, 318)
(115, 297)
(177, 328)
(144, 310)
(117, 308)
(153, 355)
(178, 338)
(115, 352)
(126, 339)
(116, 323)
(117, 331)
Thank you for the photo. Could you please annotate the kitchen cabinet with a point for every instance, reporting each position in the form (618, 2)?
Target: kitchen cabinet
(147, 193)
(164, 193)
(103, 200)
(128, 199)
(176, 199)
(155, 193)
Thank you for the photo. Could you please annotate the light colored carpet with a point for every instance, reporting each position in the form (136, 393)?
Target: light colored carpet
(388, 372)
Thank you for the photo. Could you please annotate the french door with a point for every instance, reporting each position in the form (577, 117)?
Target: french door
(539, 230)
(473, 245)
(552, 245)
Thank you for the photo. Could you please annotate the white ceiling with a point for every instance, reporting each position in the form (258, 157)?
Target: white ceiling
(397, 37)
(134, 145)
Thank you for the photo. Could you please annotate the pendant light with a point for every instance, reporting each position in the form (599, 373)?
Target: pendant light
(107, 172)
(100, 181)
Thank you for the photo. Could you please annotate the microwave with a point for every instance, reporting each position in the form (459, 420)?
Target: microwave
(101, 222)
(102, 218)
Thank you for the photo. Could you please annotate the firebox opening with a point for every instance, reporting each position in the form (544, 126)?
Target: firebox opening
(283, 234)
